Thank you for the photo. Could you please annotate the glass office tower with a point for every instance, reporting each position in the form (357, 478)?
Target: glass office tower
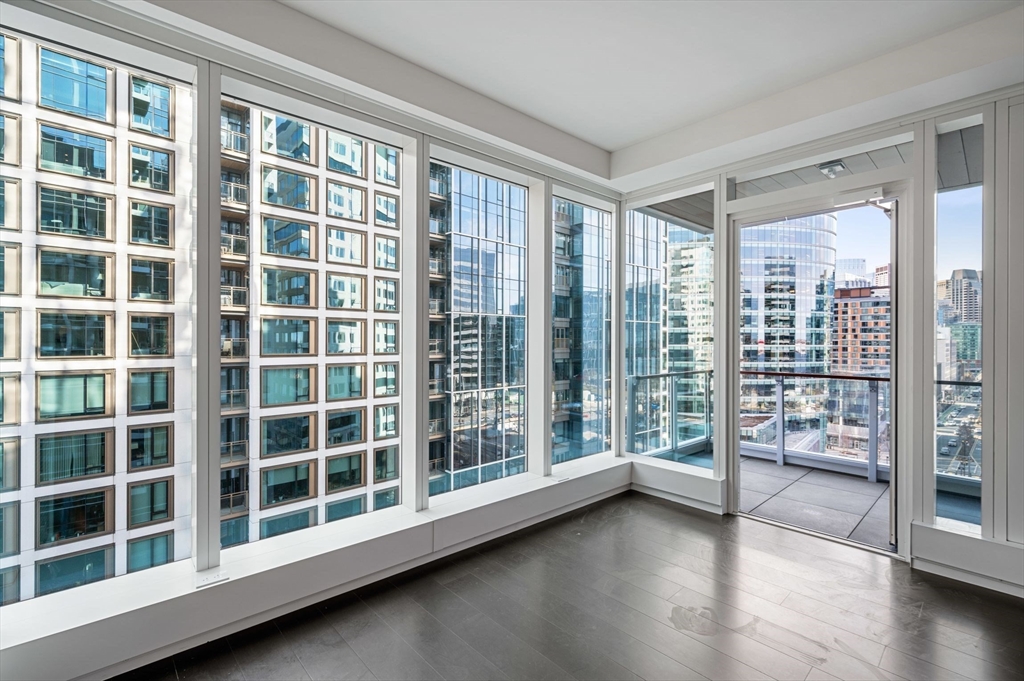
(477, 425)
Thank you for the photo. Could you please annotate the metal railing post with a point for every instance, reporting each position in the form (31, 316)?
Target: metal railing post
(673, 412)
(873, 431)
(631, 414)
(707, 407)
(780, 422)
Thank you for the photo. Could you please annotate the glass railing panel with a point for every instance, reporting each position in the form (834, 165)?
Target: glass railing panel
(669, 416)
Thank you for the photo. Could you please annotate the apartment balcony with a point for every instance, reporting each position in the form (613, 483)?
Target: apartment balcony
(437, 428)
(234, 245)
(234, 194)
(564, 344)
(436, 387)
(233, 452)
(234, 297)
(562, 280)
(436, 468)
(235, 503)
(828, 473)
(234, 142)
(438, 227)
(439, 186)
(436, 306)
(437, 347)
(438, 267)
(234, 400)
(234, 348)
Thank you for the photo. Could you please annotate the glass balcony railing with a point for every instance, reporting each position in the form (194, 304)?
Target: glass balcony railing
(438, 185)
(438, 226)
(236, 502)
(436, 346)
(234, 244)
(670, 416)
(436, 306)
(436, 467)
(437, 427)
(438, 266)
(234, 348)
(232, 140)
(231, 452)
(436, 386)
(234, 296)
(234, 399)
(562, 344)
(234, 192)
(817, 417)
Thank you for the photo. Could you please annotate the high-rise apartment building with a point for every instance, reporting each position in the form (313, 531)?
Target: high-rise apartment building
(477, 329)
(967, 336)
(309, 324)
(95, 287)
(963, 291)
(881, 276)
(856, 267)
(861, 331)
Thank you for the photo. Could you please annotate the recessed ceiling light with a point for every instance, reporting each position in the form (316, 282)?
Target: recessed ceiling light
(832, 168)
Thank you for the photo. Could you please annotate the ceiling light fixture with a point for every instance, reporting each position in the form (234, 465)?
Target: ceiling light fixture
(832, 168)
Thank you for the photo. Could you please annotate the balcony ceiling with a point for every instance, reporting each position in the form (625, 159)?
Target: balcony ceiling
(616, 73)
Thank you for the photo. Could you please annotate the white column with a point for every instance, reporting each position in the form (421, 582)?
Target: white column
(538, 327)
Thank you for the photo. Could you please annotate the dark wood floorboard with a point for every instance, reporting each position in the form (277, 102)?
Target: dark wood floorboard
(636, 588)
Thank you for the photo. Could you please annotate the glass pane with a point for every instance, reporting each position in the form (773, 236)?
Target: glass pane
(147, 553)
(345, 427)
(149, 447)
(286, 336)
(582, 348)
(151, 107)
(74, 153)
(287, 287)
(344, 472)
(150, 280)
(345, 382)
(83, 568)
(959, 238)
(346, 508)
(346, 291)
(346, 247)
(344, 154)
(345, 337)
(150, 336)
(66, 457)
(345, 202)
(150, 224)
(287, 522)
(292, 190)
(287, 237)
(63, 334)
(72, 213)
(72, 396)
(151, 168)
(72, 85)
(286, 435)
(72, 517)
(286, 137)
(286, 386)
(280, 485)
(72, 274)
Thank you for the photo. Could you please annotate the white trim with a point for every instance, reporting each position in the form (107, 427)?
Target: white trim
(539, 249)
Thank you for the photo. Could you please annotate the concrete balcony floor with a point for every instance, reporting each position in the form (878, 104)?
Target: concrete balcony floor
(831, 503)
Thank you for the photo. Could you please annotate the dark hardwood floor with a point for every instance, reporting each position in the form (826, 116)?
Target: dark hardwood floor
(631, 588)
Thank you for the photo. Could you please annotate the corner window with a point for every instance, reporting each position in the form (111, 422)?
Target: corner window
(151, 107)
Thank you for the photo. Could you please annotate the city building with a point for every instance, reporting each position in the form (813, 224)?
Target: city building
(856, 268)
(882, 276)
(861, 331)
(967, 336)
(963, 291)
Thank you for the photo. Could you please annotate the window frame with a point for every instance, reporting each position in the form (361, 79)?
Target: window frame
(110, 200)
(312, 337)
(363, 392)
(109, 341)
(12, 143)
(313, 180)
(362, 472)
(12, 203)
(313, 141)
(110, 272)
(335, 216)
(398, 210)
(314, 255)
(170, 168)
(327, 292)
(170, 390)
(312, 484)
(170, 445)
(279, 417)
(263, 290)
(398, 379)
(170, 333)
(313, 394)
(148, 537)
(108, 393)
(110, 177)
(362, 342)
(11, 339)
(362, 258)
(110, 104)
(15, 468)
(170, 278)
(170, 220)
(108, 456)
(109, 522)
(170, 501)
(327, 153)
(132, 76)
(16, 277)
(398, 466)
(363, 428)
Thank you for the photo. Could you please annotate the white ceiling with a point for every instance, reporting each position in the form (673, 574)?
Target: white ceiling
(614, 73)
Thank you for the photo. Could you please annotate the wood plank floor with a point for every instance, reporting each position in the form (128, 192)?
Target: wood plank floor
(635, 588)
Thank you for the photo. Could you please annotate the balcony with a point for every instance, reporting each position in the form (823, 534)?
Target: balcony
(233, 400)
(234, 245)
(436, 467)
(438, 226)
(562, 344)
(563, 280)
(829, 471)
(233, 452)
(234, 193)
(436, 346)
(437, 427)
(234, 296)
(234, 503)
(438, 185)
(436, 306)
(436, 386)
(234, 142)
(438, 267)
(234, 348)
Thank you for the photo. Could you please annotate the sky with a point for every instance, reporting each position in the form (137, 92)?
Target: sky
(864, 232)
